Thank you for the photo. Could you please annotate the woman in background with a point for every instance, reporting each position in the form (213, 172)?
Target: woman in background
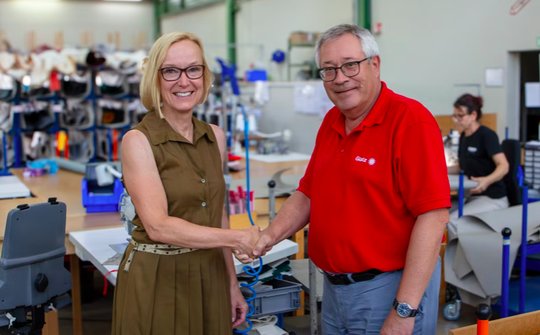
(480, 157)
(177, 274)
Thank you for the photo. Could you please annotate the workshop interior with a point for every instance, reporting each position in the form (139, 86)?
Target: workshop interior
(70, 75)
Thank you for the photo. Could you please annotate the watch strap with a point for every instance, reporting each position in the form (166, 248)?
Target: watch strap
(412, 311)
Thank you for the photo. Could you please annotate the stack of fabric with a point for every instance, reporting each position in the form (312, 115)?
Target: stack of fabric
(473, 258)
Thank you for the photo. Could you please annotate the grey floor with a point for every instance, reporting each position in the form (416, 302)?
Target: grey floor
(97, 312)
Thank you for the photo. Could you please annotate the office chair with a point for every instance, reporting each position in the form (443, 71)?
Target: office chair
(512, 151)
(32, 273)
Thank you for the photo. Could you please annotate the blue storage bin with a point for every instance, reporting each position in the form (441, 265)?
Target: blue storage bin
(275, 297)
(97, 199)
(256, 75)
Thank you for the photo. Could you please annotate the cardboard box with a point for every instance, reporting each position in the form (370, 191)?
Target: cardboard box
(303, 37)
(521, 324)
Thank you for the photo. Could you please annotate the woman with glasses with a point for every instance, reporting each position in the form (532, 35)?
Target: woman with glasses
(480, 157)
(177, 274)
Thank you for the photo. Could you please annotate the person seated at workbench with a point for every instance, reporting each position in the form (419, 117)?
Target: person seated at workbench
(480, 157)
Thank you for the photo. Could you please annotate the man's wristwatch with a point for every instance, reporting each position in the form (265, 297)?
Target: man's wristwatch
(404, 310)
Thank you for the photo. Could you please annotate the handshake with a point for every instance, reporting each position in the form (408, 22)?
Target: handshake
(251, 244)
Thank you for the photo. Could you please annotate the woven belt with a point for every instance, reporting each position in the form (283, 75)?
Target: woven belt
(158, 249)
(350, 278)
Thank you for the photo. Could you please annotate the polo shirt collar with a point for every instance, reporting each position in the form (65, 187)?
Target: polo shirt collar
(160, 131)
(375, 116)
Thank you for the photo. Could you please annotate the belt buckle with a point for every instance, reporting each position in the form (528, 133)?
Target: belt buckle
(339, 279)
(351, 278)
(361, 276)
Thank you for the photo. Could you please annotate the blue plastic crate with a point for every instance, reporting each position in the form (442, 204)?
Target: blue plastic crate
(256, 75)
(274, 297)
(98, 199)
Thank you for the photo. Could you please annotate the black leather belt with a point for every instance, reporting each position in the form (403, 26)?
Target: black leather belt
(349, 278)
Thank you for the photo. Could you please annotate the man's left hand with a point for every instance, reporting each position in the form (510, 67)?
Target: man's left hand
(395, 325)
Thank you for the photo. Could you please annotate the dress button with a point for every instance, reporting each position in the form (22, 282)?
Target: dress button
(203, 203)
(203, 180)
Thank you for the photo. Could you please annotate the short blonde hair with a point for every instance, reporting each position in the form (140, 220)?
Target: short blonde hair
(150, 83)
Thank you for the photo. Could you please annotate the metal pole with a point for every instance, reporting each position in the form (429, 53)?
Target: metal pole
(483, 313)
(461, 194)
(506, 233)
(231, 31)
(313, 310)
(4, 170)
(362, 10)
(271, 200)
(523, 249)
(157, 17)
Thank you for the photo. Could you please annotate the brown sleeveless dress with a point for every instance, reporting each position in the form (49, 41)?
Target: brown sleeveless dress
(186, 294)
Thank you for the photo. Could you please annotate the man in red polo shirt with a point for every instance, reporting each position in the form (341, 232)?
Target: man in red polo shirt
(375, 194)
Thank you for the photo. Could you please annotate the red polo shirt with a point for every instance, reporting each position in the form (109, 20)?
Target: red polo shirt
(368, 187)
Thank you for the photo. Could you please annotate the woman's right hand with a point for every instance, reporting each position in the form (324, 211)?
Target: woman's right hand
(246, 242)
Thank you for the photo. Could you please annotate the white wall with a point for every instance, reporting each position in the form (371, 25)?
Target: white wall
(278, 114)
(45, 18)
(270, 22)
(208, 23)
(431, 50)
(262, 26)
(429, 47)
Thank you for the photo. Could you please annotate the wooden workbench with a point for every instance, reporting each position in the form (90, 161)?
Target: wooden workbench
(66, 187)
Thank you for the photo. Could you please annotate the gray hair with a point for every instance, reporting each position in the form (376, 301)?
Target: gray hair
(369, 45)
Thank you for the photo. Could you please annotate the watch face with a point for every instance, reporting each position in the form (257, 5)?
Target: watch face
(403, 310)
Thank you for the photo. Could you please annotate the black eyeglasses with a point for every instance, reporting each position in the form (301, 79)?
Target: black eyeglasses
(172, 73)
(459, 117)
(350, 69)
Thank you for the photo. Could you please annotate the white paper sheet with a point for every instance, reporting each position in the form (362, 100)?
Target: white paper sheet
(12, 187)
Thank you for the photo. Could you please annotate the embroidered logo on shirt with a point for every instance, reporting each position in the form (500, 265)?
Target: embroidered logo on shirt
(472, 149)
(370, 161)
